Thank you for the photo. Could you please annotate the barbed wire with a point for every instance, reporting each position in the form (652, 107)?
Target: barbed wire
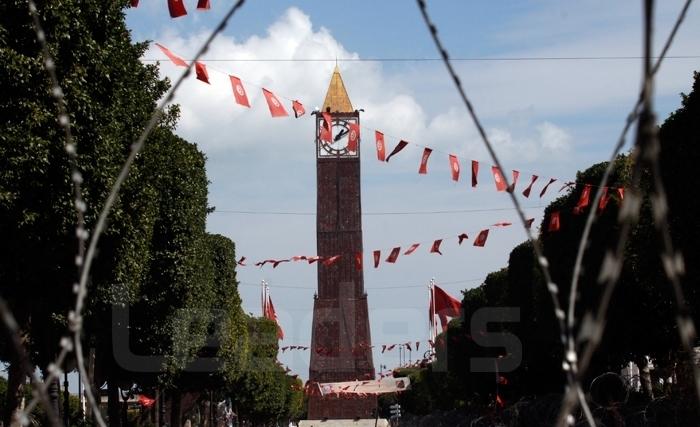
(646, 151)
(598, 327)
(552, 287)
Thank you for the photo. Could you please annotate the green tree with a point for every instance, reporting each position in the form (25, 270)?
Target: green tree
(155, 256)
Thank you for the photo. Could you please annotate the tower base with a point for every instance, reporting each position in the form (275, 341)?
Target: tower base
(381, 422)
(342, 408)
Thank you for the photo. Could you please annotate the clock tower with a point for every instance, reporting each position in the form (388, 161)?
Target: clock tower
(340, 339)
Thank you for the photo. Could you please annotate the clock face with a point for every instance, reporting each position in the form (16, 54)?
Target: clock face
(340, 136)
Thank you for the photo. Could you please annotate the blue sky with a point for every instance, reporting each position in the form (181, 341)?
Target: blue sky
(546, 117)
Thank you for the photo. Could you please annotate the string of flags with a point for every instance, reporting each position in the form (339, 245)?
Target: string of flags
(277, 109)
(436, 247)
(553, 224)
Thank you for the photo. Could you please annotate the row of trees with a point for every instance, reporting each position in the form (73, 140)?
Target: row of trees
(642, 317)
(156, 261)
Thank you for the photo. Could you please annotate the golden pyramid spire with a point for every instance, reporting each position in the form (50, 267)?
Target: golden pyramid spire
(337, 97)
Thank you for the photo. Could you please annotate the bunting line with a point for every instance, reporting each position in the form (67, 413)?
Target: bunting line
(277, 109)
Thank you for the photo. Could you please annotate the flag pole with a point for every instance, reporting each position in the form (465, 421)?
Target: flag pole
(433, 332)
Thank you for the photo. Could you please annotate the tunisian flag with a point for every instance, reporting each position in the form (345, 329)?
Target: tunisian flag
(204, 4)
(544, 190)
(424, 161)
(298, 109)
(272, 315)
(526, 192)
(481, 238)
(276, 107)
(554, 221)
(176, 8)
(499, 179)
(353, 137)
(171, 56)
(443, 305)
(400, 146)
(454, 167)
(393, 255)
(584, 200)
(201, 70)
(325, 133)
(475, 172)
(239, 92)
(381, 148)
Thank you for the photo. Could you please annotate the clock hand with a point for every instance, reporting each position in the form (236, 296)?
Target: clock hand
(340, 135)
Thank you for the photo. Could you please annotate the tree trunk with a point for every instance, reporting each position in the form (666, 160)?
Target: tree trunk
(15, 390)
(125, 411)
(175, 415)
(113, 404)
(91, 380)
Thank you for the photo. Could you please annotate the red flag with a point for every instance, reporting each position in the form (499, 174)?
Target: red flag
(174, 58)
(454, 167)
(400, 146)
(528, 222)
(393, 255)
(411, 249)
(604, 199)
(511, 187)
(498, 178)
(499, 402)
(526, 192)
(381, 148)
(278, 262)
(584, 199)
(134, 3)
(176, 8)
(383, 348)
(391, 347)
(475, 172)
(144, 400)
(276, 108)
(481, 238)
(325, 134)
(298, 109)
(201, 70)
(331, 260)
(358, 261)
(551, 180)
(502, 224)
(553, 221)
(377, 255)
(567, 185)
(238, 92)
(203, 4)
(423, 169)
(272, 315)
(241, 261)
(408, 346)
(417, 345)
(353, 136)
(462, 237)
(436, 247)
(621, 193)
(445, 306)
(502, 380)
